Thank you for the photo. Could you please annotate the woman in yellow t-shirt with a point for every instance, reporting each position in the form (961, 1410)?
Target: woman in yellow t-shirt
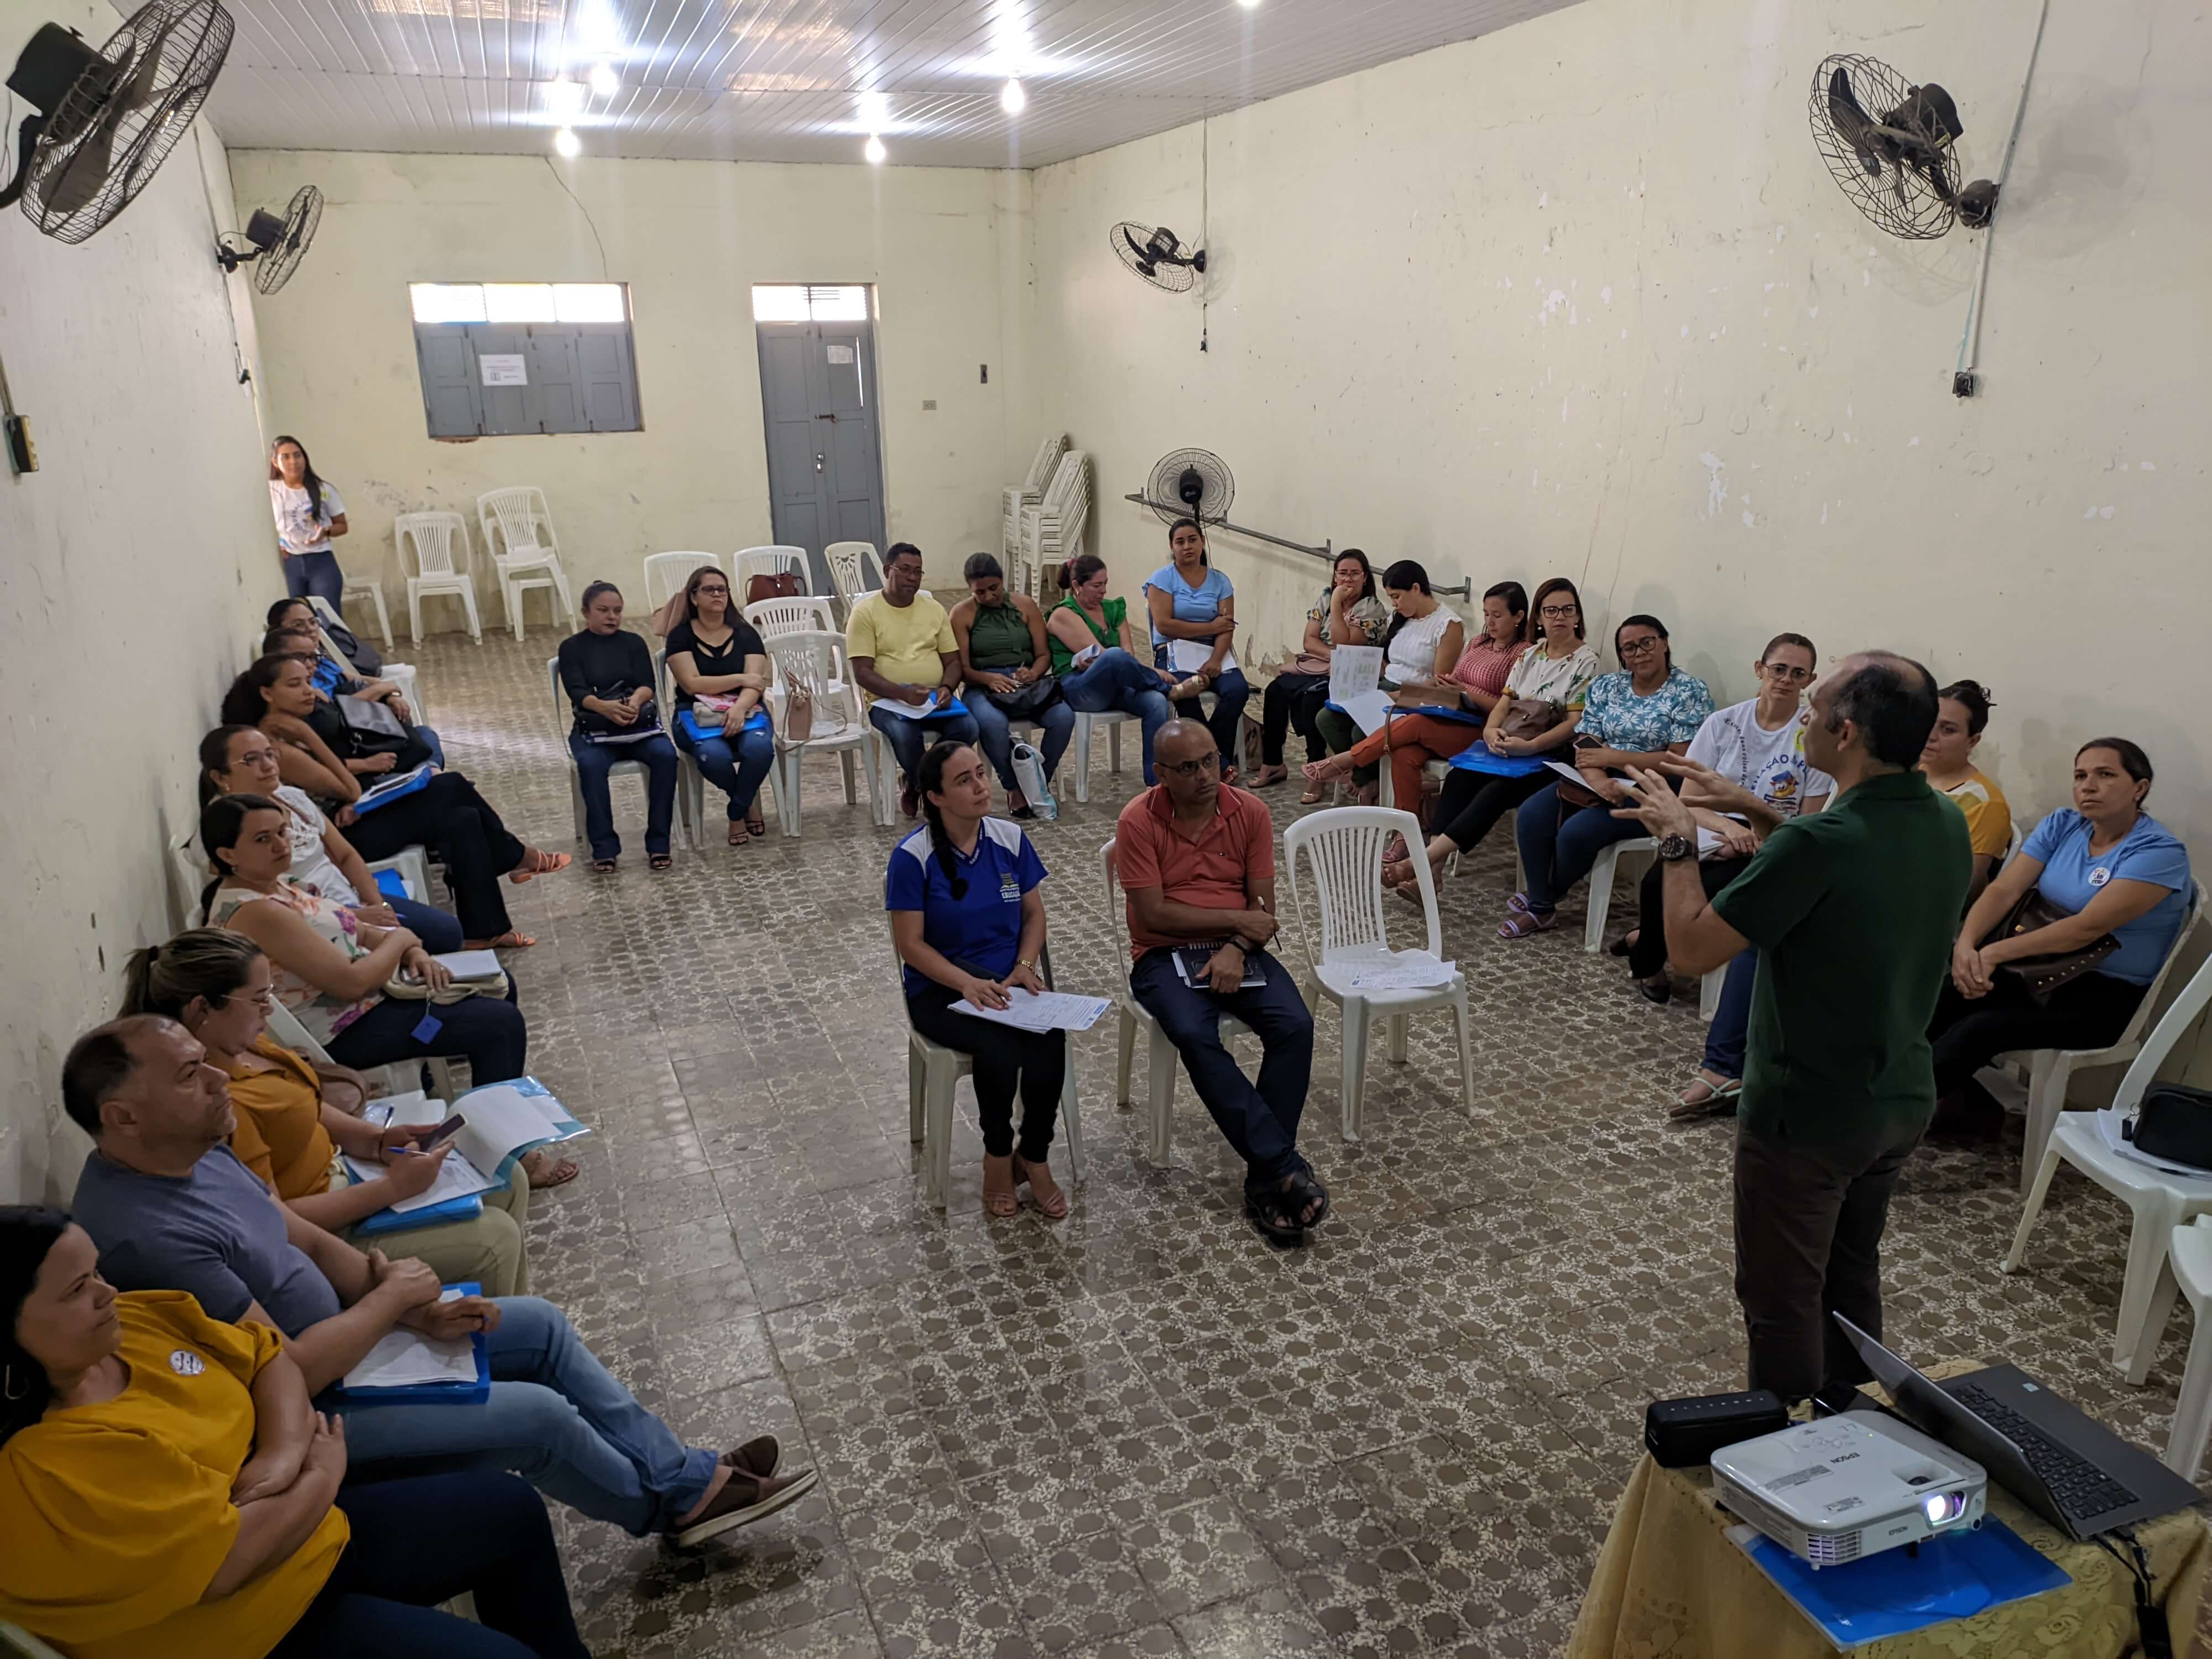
(1962, 711)
(217, 985)
(167, 1489)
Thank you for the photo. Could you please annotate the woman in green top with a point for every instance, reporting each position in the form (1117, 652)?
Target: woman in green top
(1096, 655)
(1008, 673)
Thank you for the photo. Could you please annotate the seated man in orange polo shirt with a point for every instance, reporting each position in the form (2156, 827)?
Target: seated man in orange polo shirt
(1197, 860)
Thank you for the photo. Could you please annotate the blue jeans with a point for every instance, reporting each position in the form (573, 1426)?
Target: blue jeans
(554, 1417)
(994, 733)
(1259, 1120)
(439, 932)
(1554, 855)
(1726, 1038)
(1230, 693)
(416, 1543)
(430, 742)
(595, 760)
(1115, 682)
(485, 1031)
(737, 768)
(315, 574)
(911, 739)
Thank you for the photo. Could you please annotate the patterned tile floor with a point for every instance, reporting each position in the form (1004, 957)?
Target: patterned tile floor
(1142, 1431)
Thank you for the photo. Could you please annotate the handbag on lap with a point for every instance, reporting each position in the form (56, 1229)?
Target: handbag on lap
(2041, 976)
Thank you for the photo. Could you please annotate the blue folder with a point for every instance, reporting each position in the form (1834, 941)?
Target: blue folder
(755, 721)
(1902, 1590)
(1462, 716)
(438, 1393)
(418, 779)
(467, 1207)
(393, 884)
(1479, 756)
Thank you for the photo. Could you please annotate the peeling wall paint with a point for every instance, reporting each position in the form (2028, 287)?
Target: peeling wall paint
(131, 565)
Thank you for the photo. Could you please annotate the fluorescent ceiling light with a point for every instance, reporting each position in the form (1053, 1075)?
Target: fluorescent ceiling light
(875, 110)
(1013, 98)
(598, 31)
(874, 150)
(606, 84)
(566, 143)
(564, 97)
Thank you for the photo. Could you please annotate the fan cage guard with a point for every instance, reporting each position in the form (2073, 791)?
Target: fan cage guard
(92, 160)
(1129, 238)
(279, 261)
(1217, 486)
(1900, 200)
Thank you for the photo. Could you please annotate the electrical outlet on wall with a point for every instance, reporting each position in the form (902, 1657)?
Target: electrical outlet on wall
(928, 405)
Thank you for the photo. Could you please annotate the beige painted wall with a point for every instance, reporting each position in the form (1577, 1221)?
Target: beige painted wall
(691, 238)
(1578, 297)
(128, 571)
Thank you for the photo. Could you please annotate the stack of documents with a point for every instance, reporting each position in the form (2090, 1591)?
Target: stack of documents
(406, 1367)
(1049, 1011)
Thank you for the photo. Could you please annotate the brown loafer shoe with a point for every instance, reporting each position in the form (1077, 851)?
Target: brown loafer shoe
(743, 1499)
(758, 1457)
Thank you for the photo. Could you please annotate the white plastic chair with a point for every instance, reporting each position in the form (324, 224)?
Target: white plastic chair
(2161, 1201)
(1601, 877)
(666, 572)
(433, 538)
(366, 588)
(815, 661)
(772, 561)
(690, 782)
(2050, 1070)
(564, 722)
(1161, 1059)
(805, 615)
(856, 571)
(1016, 499)
(518, 538)
(2190, 1254)
(932, 1074)
(1343, 848)
(1113, 719)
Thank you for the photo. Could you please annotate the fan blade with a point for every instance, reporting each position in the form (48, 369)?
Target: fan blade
(1852, 122)
(81, 181)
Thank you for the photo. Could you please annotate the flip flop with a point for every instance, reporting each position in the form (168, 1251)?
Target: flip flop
(1717, 1098)
(509, 940)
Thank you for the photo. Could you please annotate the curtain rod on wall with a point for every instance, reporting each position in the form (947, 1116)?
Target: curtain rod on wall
(1326, 551)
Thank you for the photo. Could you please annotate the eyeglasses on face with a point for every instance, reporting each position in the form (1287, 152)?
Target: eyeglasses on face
(1638, 648)
(707, 591)
(1791, 676)
(1556, 612)
(1190, 768)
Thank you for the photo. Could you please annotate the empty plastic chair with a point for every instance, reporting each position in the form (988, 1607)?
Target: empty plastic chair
(433, 556)
(520, 540)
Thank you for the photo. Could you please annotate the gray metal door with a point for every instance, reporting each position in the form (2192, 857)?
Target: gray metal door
(818, 403)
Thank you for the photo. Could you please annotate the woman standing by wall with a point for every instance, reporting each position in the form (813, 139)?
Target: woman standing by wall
(309, 515)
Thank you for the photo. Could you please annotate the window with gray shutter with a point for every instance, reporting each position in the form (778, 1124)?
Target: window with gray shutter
(499, 359)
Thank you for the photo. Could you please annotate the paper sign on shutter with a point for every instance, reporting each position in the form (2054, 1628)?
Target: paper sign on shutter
(503, 368)
(841, 353)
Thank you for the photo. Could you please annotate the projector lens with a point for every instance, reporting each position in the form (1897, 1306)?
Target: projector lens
(1944, 1506)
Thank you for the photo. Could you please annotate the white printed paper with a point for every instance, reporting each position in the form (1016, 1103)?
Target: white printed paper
(503, 368)
(471, 964)
(1189, 656)
(1368, 710)
(456, 1178)
(1052, 1010)
(841, 353)
(1354, 671)
(1568, 773)
(910, 711)
(404, 1358)
(1404, 970)
(505, 1121)
(1084, 658)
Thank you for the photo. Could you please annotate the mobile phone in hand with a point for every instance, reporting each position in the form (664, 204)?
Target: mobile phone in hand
(443, 1133)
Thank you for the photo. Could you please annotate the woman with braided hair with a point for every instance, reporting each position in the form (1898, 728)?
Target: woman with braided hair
(968, 923)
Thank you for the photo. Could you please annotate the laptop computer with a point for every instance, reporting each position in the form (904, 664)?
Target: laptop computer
(2070, 1469)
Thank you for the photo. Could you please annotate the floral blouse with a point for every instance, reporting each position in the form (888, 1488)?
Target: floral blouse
(324, 1016)
(1618, 718)
(1370, 615)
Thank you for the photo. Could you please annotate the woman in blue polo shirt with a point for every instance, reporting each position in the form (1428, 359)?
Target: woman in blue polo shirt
(1193, 606)
(2111, 868)
(968, 922)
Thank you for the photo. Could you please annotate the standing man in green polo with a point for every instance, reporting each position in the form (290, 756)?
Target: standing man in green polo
(1853, 911)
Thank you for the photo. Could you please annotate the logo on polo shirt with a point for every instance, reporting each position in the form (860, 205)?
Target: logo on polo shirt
(185, 1363)
(1010, 887)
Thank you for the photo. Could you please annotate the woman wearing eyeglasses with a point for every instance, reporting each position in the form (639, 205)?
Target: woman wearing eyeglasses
(1650, 709)
(713, 653)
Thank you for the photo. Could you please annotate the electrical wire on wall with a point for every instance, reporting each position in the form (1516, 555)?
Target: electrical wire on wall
(1205, 219)
(1970, 341)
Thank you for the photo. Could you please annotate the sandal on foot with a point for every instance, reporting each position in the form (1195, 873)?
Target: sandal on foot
(1717, 1096)
(1518, 904)
(1624, 944)
(555, 1171)
(1312, 795)
(1000, 1198)
(509, 940)
(603, 867)
(1306, 1199)
(1268, 777)
(741, 832)
(756, 825)
(1396, 853)
(1272, 1216)
(547, 863)
(1524, 924)
(1052, 1208)
(661, 861)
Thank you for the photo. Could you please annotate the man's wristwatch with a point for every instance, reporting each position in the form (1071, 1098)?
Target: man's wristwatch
(1675, 849)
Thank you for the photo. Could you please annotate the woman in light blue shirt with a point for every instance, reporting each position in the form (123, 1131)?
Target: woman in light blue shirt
(2111, 868)
(1193, 609)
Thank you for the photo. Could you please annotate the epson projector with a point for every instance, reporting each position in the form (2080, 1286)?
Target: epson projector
(1842, 1488)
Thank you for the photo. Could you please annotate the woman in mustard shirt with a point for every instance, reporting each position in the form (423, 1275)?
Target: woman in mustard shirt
(167, 1489)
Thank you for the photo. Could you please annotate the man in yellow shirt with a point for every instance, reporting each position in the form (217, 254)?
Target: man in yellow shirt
(900, 643)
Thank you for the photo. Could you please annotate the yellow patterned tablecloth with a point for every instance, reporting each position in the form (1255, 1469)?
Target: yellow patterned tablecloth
(1669, 1585)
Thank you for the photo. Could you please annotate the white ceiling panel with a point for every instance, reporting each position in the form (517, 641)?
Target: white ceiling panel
(795, 79)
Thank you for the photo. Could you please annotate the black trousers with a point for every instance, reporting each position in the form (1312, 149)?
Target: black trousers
(1006, 1060)
(1648, 955)
(1291, 700)
(1473, 801)
(451, 818)
(1810, 1217)
(2090, 1013)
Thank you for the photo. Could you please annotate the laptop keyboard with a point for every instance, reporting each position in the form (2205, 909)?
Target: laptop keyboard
(2078, 1486)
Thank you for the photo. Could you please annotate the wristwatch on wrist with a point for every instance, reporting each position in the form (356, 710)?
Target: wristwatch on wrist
(1675, 849)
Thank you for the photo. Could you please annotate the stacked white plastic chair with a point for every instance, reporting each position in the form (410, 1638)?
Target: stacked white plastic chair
(433, 540)
(1014, 501)
(666, 572)
(1051, 530)
(803, 615)
(813, 663)
(774, 560)
(856, 571)
(518, 534)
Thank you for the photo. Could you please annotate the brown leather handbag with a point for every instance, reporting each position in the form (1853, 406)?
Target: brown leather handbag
(781, 585)
(2039, 977)
(1531, 717)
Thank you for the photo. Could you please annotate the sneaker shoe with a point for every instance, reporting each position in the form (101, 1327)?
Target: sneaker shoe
(743, 1499)
(758, 1457)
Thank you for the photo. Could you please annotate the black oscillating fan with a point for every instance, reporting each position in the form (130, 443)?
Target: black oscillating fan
(106, 119)
(1897, 165)
(1157, 257)
(276, 245)
(1191, 483)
